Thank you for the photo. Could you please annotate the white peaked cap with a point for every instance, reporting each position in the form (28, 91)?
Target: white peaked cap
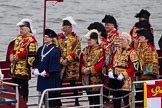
(70, 19)
(22, 22)
(87, 36)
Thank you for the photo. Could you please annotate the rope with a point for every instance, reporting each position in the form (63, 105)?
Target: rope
(121, 97)
(111, 89)
(118, 97)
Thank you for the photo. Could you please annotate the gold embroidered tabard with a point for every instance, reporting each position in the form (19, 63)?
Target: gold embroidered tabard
(68, 44)
(149, 60)
(24, 53)
(126, 61)
(113, 39)
(92, 56)
(127, 83)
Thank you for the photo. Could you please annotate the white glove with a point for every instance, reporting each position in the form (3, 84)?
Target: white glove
(120, 77)
(87, 69)
(1, 75)
(43, 74)
(36, 72)
(111, 75)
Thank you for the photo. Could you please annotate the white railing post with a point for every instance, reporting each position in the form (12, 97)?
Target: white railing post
(45, 92)
(101, 97)
(16, 94)
(46, 100)
(133, 95)
(39, 97)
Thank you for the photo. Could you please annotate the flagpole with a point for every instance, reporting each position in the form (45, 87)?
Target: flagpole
(44, 23)
(45, 5)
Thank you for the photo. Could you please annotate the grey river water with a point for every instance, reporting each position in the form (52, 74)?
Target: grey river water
(83, 11)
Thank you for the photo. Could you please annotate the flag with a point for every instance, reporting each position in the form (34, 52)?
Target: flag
(153, 94)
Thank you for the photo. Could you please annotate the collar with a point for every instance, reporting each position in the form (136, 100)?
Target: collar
(48, 44)
(94, 46)
(109, 32)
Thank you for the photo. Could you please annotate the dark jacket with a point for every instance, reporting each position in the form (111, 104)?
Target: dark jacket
(160, 43)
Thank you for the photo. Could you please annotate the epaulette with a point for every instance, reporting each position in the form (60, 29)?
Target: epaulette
(73, 33)
(151, 47)
(115, 32)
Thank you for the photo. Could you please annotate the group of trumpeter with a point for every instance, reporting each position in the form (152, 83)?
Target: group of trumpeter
(120, 57)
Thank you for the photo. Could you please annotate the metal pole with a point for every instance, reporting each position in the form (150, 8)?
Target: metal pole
(39, 97)
(133, 95)
(17, 96)
(101, 97)
(46, 100)
(44, 23)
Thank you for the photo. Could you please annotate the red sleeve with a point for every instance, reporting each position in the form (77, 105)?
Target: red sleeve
(131, 32)
(81, 61)
(72, 55)
(11, 51)
(98, 67)
(130, 70)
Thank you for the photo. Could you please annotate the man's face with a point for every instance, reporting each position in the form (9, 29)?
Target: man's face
(91, 42)
(109, 27)
(24, 31)
(67, 29)
(123, 41)
(141, 19)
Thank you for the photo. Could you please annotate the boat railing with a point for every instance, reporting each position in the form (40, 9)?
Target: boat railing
(16, 94)
(134, 91)
(45, 97)
(115, 98)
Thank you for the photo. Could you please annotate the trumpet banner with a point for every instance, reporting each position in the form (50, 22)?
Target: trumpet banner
(153, 94)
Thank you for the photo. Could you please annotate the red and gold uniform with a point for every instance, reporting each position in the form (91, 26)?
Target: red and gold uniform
(149, 61)
(105, 45)
(112, 36)
(24, 52)
(112, 44)
(113, 39)
(125, 61)
(68, 45)
(94, 58)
